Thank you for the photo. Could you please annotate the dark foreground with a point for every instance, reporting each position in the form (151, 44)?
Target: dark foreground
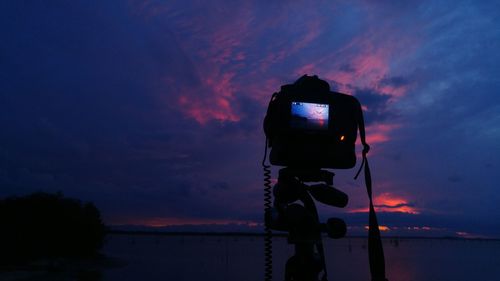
(218, 258)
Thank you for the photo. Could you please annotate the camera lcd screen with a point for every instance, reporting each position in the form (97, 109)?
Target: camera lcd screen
(309, 116)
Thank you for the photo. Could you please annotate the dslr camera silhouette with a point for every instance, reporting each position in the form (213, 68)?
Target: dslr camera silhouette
(308, 129)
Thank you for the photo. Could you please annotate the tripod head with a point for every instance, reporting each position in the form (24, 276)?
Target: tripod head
(301, 220)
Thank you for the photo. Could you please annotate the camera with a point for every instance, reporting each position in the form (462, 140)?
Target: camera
(310, 126)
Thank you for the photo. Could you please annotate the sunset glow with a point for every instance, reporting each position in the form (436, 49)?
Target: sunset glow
(380, 227)
(387, 202)
(172, 221)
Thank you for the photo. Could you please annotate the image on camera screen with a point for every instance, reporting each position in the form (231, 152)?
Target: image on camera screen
(309, 116)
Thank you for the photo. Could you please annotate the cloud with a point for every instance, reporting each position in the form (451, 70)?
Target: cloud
(376, 106)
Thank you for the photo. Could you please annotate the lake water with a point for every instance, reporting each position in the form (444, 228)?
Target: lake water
(220, 258)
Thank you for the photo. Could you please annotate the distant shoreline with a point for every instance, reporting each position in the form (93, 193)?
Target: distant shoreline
(260, 234)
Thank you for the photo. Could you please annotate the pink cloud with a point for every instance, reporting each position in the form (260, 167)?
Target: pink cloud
(367, 69)
(203, 107)
(306, 69)
(215, 52)
(378, 133)
(311, 32)
(224, 45)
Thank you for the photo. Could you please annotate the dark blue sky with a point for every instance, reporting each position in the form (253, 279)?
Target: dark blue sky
(153, 109)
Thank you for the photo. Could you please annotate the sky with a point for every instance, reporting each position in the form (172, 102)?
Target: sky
(153, 110)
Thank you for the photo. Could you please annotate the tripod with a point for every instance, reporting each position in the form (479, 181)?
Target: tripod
(302, 221)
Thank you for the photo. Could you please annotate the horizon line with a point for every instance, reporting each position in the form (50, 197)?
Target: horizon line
(277, 234)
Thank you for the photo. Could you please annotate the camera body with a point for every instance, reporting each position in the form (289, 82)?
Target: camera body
(309, 126)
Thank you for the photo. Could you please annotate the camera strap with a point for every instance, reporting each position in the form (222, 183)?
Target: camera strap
(375, 249)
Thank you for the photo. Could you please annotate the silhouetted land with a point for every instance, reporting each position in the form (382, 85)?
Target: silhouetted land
(48, 226)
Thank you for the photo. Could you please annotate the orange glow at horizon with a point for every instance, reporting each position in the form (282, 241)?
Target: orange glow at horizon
(387, 202)
(380, 227)
(412, 229)
(172, 221)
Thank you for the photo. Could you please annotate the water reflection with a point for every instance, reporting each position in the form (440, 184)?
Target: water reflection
(241, 258)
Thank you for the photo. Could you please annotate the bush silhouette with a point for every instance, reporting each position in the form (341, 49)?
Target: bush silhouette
(44, 225)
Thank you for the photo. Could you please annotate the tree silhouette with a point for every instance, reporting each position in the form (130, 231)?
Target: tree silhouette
(45, 225)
